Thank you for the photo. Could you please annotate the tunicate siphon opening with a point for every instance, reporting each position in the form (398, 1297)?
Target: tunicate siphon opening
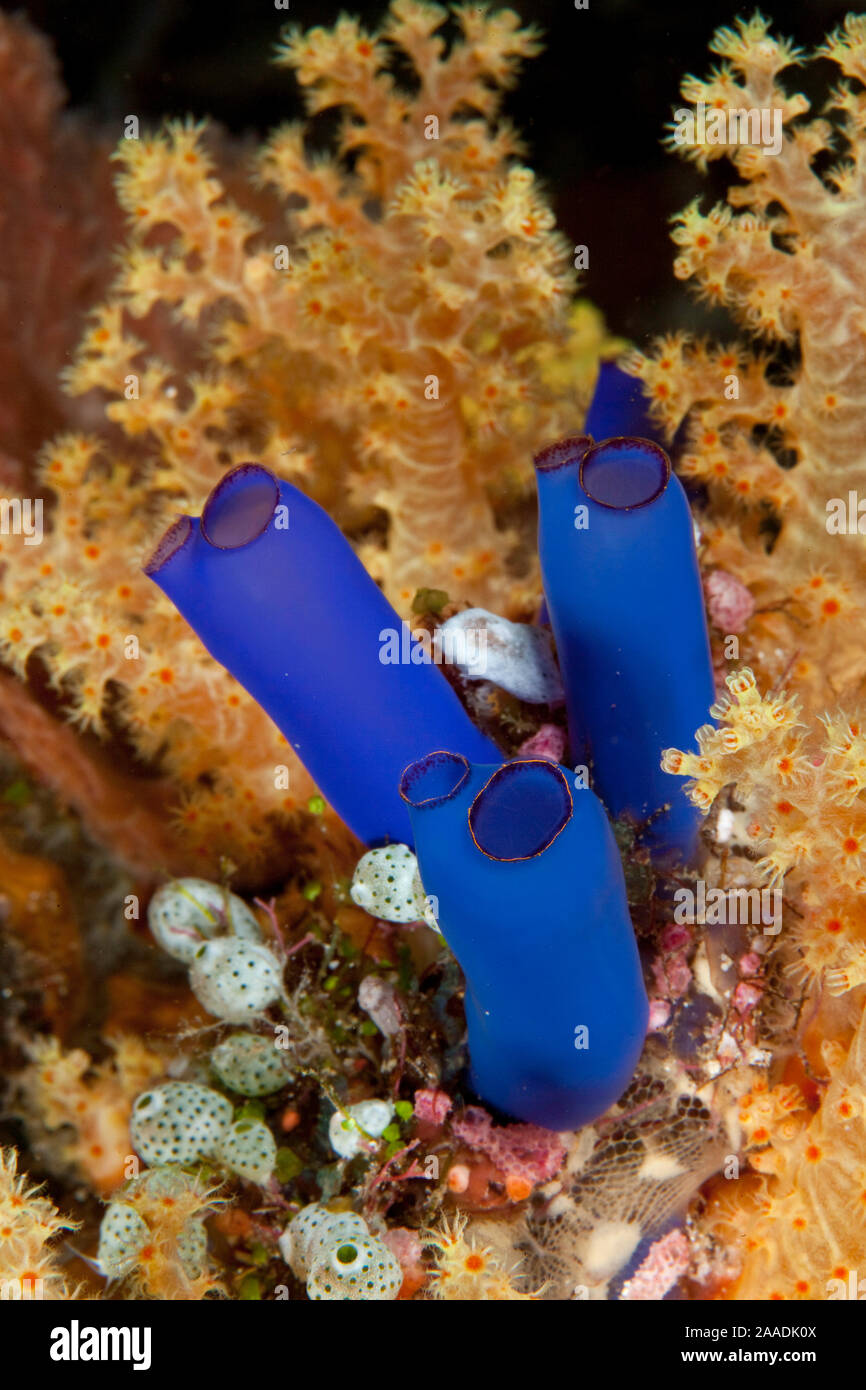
(240, 507)
(520, 811)
(172, 541)
(624, 473)
(433, 779)
(562, 453)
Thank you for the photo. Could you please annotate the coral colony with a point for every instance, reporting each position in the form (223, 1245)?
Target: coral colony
(394, 907)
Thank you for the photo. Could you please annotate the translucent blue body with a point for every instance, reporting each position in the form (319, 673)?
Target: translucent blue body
(619, 407)
(623, 592)
(278, 597)
(530, 897)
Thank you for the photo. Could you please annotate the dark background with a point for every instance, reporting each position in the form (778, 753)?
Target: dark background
(592, 107)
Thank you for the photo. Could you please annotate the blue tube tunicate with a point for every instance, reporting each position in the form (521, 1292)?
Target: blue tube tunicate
(528, 888)
(278, 597)
(623, 590)
(619, 407)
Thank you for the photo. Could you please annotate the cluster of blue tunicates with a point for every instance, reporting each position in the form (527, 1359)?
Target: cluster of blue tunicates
(517, 859)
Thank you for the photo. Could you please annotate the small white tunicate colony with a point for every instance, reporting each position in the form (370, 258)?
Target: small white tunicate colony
(192, 1248)
(186, 912)
(234, 979)
(349, 1129)
(233, 974)
(251, 1064)
(338, 1257)
(124, 1233)
(249, 1149)
(387, 884)
(182, 1122)
(179, 1122)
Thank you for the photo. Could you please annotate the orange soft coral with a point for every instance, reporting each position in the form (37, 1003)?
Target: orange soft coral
(114, 646)
(785, 255)
(398, 336)
(803, 822)
(800, 821)
(801, 1233)
(78, 1113)
(29, 1225)
(465, 1269)
(390, 342)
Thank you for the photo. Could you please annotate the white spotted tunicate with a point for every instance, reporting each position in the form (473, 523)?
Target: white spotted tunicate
(294, 1242)
(338, 1257)
(349, 1128)
(344, 1225)
(360, 1269)
(235, 979)
(386, 884)
(515, 656)
(122, 1235)
(186, 912)
(249, 1149)
(192, 1248)
(179, 1122)
(251, 1064)
(312, 1230)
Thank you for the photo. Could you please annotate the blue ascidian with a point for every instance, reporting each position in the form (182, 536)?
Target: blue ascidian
(278, 596)
(530, 897)
(623, 591)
